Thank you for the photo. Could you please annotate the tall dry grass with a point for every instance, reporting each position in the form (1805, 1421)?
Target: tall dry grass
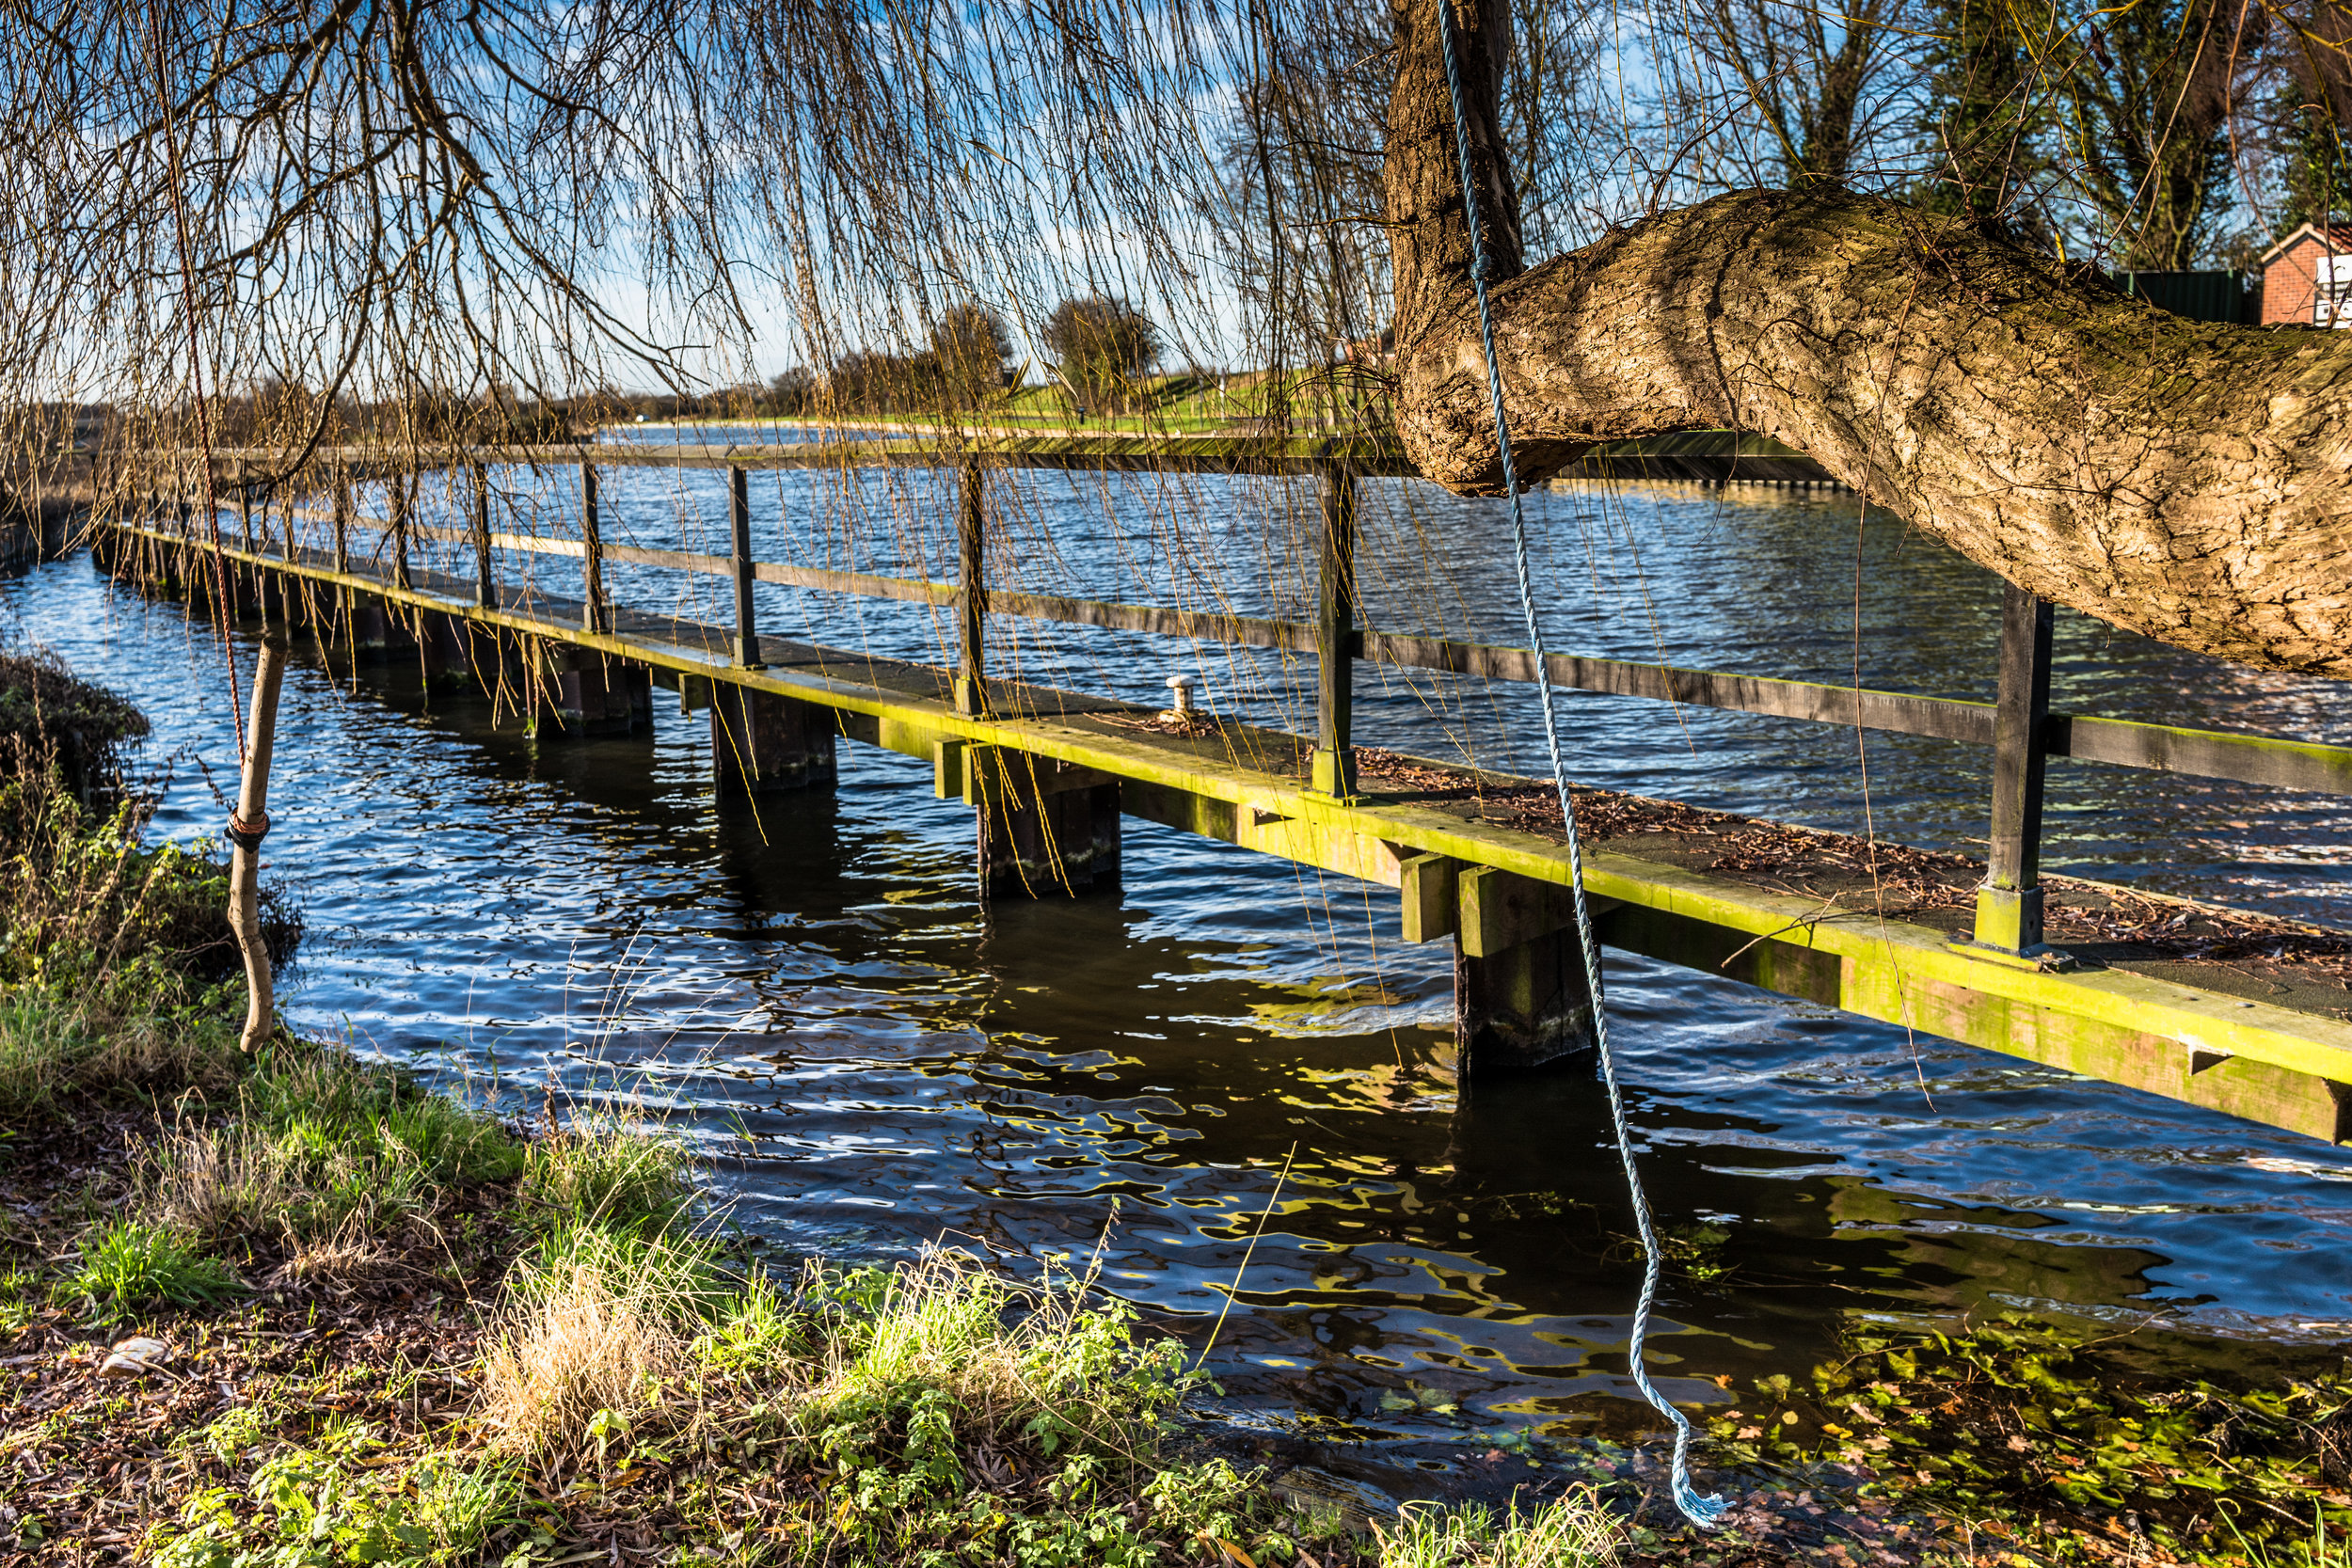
(597, 1340)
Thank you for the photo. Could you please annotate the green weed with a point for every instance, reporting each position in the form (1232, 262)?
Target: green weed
(323, 1143)
(611, 1171)
(1572, 1531)
(2323, 1549)
(958, 1415)
(20, 1300)
(130, 1266)
(55, 1041)
(242, 1427)
(320, 1510)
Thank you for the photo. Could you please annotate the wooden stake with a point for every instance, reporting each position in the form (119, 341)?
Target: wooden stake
(594, 618)
(486, 587)
(246, 828)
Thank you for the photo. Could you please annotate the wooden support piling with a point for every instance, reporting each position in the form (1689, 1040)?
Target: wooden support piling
(1045, 826)
(1334, 763)
(744, 573)
(371, 626)
(1520, 994)
(972, 592)
(443, 653)
(581, 692)
(760, 742)
(2009, 905)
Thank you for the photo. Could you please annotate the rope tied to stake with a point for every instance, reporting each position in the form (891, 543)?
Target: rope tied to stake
(1702, 1508)
(248, 836)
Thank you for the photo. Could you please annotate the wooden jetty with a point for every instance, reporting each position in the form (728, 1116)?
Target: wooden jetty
(1960, 951)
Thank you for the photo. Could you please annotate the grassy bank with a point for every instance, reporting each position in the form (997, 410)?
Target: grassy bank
(1155, 405)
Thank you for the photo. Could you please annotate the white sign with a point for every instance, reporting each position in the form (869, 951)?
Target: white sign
(2331, 299)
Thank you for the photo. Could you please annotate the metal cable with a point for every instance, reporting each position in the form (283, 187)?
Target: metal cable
(1701, 1509)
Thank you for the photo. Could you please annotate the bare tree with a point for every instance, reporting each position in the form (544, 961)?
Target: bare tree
(2150, 95)
(1814, 84)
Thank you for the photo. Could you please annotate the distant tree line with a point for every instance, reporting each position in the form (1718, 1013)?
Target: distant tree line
(1102, 351)
(1099, 349)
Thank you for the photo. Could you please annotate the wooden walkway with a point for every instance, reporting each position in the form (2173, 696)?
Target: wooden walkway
(2249, 1016)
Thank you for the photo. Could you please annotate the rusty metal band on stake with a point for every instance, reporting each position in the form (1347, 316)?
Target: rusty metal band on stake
(1699, 1507)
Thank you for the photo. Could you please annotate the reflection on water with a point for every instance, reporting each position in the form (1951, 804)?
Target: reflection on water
(871, 1058)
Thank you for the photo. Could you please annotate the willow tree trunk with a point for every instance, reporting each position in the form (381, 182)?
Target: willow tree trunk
(2186, 480)
(247, 825)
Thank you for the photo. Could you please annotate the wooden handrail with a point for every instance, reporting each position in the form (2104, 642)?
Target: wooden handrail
(2203, 753)
(1691, 453)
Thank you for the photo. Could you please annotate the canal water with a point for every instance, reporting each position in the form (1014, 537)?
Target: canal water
(1234, 1062)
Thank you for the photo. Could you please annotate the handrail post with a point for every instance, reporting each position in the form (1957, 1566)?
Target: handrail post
(342, 522)
(972, 593)
(1334, 767)
(2009, 905)
(745, 570)
(592, 551)
(400, 533)
(486, 587)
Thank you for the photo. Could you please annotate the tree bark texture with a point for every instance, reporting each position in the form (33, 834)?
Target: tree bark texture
(2186, 480)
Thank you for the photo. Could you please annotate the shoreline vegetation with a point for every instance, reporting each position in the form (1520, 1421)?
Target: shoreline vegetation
(296, 1309)
(1246, 404)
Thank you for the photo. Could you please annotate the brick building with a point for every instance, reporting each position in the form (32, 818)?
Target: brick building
(2306, 277)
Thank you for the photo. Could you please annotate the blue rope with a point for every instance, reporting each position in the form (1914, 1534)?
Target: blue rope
(1703, 1509)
